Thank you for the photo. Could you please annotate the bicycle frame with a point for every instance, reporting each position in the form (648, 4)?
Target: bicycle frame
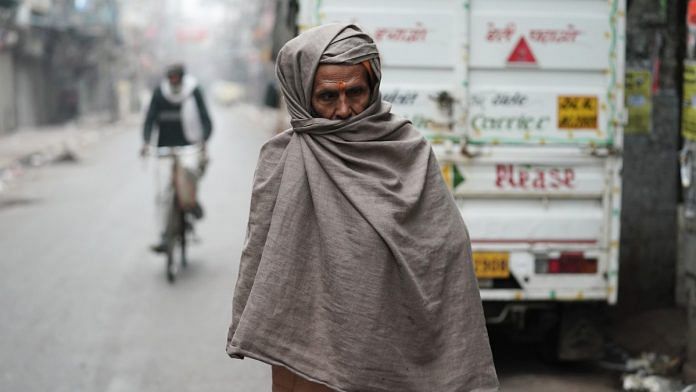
(183, 199)
(182, 181)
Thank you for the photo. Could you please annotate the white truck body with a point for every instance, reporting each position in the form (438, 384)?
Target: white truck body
(523, 103)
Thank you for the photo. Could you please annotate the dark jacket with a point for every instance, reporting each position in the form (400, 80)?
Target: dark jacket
(167, 115)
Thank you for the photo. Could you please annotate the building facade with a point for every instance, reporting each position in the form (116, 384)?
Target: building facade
(58, 59)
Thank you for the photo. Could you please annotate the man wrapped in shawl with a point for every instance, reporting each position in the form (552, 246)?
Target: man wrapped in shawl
(356, 273)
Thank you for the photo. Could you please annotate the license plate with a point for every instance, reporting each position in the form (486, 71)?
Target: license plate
(492, 265)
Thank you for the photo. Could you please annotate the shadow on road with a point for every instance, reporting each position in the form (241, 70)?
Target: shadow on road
(522, 366)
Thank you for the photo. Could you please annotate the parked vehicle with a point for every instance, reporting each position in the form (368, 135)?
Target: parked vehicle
(523, 103)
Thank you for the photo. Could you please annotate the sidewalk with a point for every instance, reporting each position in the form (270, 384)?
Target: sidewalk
(33, 147)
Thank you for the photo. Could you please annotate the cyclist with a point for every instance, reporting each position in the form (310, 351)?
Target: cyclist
(179, 111)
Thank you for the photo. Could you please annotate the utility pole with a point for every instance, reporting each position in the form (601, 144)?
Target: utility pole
(688, 182)
(649, 209)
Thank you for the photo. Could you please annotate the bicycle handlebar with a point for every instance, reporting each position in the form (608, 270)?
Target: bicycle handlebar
(174, 151)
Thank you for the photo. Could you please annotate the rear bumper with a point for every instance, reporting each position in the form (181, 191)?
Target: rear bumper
(546, 294)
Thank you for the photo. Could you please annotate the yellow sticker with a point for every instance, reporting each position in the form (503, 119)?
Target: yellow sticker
(578, 112)
(639, 101)
(689, 109)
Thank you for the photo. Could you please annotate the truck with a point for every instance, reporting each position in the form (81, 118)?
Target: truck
(523, 103)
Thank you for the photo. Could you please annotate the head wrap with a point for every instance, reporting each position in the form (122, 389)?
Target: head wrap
(352, 46)
(356, 272)
(332, 44)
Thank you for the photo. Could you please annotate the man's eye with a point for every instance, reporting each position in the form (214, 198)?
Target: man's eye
(355, 91)
(327, 96)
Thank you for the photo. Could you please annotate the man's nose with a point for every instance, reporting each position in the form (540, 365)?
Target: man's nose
(342, 108)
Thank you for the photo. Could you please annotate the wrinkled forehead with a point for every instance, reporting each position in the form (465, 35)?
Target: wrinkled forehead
(341, 75)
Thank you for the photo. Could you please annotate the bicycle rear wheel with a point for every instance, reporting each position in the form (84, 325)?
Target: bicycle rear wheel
(176, 251)
(183, 229)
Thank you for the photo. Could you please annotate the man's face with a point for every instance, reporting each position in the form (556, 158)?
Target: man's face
(340, 91)
(174, 80)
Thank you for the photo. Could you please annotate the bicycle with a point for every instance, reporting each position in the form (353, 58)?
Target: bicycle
(181, 208)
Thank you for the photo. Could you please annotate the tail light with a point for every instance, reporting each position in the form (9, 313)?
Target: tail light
(567, 263)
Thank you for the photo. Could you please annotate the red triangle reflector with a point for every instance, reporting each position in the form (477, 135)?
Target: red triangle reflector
(522, 54)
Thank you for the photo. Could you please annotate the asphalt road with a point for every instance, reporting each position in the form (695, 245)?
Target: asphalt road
(86, 307)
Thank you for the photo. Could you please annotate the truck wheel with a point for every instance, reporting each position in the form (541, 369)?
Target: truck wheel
(580, 335)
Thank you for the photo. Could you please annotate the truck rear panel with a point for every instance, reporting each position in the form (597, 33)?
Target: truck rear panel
(523, 102)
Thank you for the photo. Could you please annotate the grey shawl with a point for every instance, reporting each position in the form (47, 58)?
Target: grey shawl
(356, 272)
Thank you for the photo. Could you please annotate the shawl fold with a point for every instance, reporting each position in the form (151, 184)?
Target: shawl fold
(190, 113)
(356, 271)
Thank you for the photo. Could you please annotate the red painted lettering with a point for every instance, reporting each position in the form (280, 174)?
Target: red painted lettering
(569, 178)
(401, 34)
(556, 36)
(539, 181)
(503, 173)
(555, 179)
(523, 178)
(495, 34)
